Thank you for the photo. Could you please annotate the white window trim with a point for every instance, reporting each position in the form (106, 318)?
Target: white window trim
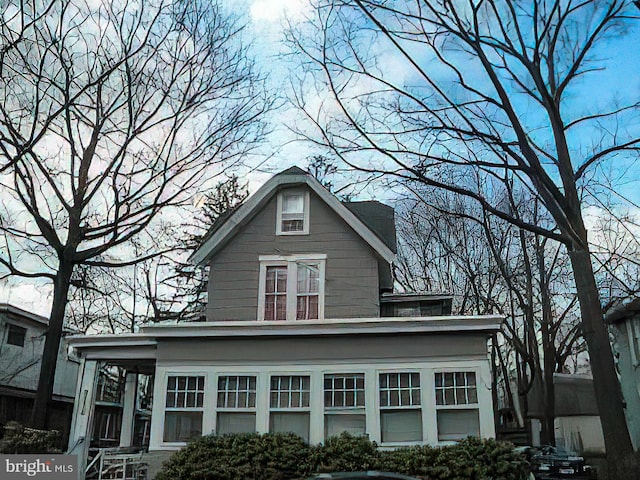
(217, 409)
(305, 200)
(236, 409)
(461, 406)
(291, 262)
(348, 409)
(380, 408)
(291, 409)
(165, 409)
(353, 410)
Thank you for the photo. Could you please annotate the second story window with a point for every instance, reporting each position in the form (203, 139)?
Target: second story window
(291, 287)
(293, 213)
(275, 300)
(16, 335)
(308, 291)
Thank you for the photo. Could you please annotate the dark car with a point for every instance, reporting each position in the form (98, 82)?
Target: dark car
(553, 462)
(362, 476)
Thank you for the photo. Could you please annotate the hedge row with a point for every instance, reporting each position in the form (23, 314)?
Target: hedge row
(16, 438)
(286, 456)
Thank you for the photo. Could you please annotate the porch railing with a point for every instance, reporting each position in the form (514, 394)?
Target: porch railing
(114, 464)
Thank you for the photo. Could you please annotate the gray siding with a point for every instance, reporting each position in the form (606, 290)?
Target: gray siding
(310, 350)
(351, 286)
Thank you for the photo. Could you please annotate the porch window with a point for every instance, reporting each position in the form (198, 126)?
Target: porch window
(183, 408)
(456, 392)
(236, 404)
(291, 287)
(344, 404)
(289, 405)
(400, 410)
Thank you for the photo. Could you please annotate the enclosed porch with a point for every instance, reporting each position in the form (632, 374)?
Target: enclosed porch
(112, 414)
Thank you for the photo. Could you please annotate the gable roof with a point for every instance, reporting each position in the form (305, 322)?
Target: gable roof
(226, 228)
(17, 313)
(378, 217)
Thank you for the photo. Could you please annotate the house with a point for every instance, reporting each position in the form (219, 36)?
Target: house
(22, 336)
(625, 326)
(303, 334)
(577, 424)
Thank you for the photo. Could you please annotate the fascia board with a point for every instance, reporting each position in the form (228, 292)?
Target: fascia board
(481, 324)
(379, 325)
(207, 249)
(21, 314)
(111, 340)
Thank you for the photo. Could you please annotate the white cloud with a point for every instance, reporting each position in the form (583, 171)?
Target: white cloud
(277, 10)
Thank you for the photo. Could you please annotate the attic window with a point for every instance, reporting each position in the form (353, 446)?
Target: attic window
(293, 213)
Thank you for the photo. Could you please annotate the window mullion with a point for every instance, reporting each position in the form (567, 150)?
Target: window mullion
(292, 290)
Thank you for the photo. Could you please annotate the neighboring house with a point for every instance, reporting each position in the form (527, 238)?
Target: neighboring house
(303, 334)
(22, 336)
(625, 323)
(577, 421)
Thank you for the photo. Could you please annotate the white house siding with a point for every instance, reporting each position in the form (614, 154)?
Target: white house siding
(425, 355)
(629, 368)
(20, 365)
(581, 434)
(351, 286)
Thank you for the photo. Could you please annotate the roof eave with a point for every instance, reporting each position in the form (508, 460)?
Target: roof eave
(480, 324)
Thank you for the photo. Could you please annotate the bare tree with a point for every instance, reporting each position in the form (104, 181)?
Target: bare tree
(491, 85)
(112, 115)
(450, 243)
(165, 287)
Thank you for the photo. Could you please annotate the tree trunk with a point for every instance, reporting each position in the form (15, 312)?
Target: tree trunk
(621, 461)
(547, 435)
(548, 356)
(51, 346)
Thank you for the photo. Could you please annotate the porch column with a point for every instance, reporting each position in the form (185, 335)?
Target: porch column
(128, 409)
(83, 408)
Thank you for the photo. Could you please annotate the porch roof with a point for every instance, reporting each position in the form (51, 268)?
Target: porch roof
(147, 339)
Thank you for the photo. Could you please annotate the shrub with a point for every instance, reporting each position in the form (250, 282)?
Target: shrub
(470, 459)
(272, 456)
(285, 456)
(417, 460)
(17, 438)
(345, 453)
